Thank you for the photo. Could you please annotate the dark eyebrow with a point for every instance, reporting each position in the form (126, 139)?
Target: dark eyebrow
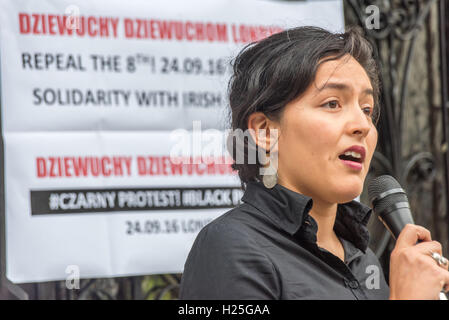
(342, 86)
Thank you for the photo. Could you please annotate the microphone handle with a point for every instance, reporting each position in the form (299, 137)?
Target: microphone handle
(395, 218)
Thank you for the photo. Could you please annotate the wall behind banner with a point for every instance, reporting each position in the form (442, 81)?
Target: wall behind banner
(87, 116)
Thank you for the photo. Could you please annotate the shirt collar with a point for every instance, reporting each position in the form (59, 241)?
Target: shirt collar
(290, 211)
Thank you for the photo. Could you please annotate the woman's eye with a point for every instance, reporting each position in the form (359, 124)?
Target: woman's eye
(367, 110)
(331, 104)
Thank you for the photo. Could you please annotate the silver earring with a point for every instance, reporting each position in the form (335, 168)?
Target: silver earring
(271, 179)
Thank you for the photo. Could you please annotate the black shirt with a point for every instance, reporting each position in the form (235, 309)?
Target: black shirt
(266, 248)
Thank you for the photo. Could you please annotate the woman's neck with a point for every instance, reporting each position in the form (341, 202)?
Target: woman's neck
(324, 214)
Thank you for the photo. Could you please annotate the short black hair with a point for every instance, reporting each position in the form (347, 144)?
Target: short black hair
(270, 73)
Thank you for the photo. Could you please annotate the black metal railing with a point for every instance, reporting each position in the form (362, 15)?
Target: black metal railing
(408, 39)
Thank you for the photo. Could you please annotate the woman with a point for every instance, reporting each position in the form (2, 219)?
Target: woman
(309, 100)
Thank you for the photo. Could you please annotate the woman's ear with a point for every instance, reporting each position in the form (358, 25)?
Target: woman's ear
(264, 131)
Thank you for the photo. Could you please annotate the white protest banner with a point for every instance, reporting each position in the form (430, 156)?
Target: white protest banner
(96, 95)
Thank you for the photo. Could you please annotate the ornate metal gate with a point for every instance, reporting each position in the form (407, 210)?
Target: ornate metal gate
(411, 50)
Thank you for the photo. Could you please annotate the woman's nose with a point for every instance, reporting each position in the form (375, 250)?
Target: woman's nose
(359, 122)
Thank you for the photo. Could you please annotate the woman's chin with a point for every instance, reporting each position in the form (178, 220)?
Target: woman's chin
(348, 194)
(339, 193)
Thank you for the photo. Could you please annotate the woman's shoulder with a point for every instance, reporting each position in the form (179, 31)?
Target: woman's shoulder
(233, 225)
(225, 251)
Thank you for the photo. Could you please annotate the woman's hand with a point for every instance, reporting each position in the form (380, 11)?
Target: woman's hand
(414, 274)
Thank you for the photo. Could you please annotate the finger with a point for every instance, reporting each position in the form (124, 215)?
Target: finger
(443, 264)
(430, 246)
(438, 263)
(411, 234)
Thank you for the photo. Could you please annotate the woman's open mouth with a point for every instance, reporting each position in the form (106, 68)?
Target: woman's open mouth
(352, 160)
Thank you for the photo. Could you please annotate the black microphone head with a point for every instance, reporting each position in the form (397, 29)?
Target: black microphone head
(381, 184)
(377, 189)
(390, 203)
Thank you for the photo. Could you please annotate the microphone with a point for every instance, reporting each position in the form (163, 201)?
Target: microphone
(390, 203)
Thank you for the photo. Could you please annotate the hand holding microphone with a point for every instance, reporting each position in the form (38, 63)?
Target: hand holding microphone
(417, 271)
(414, 274)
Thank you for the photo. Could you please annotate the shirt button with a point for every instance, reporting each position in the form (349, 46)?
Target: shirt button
(353, 284)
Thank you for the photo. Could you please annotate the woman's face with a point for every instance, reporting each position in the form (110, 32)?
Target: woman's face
(332, 115)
